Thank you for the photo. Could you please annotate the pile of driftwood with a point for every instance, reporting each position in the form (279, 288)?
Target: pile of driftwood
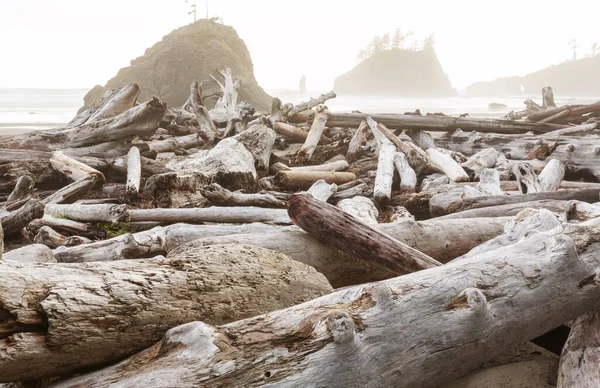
(147, 246)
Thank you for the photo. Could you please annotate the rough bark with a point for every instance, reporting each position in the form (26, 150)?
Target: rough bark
(221, 196)
(236, 215)
(362, 189)
(314, 135)
(141, 120)
(259, 140)
(302, 180)
(489, 184)
(398, 320)
(54, 314)
(16, 163)
(344, 231)
(579, 359)
(527, 180)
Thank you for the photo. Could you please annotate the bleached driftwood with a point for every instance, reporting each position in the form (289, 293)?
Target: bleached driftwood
(221, 196)
(259, 140)
(339, 165)
(63, 226)
(341, 229)
(225, 106)
(361, 208)
(552, 175)
(141, 120)
(71, 310)
(507, 210)
(486, 158)
(13, 222)
(72, 192)
(448, 165)
(134, 172)
(361, 189)
(291, 131)
(175, 143)
(311, 103)
(22, 193)
(53, 239)
(359, 137)
(113, 103)
(397, 320)
(322, 190)
(527, 180)
(237, 215)
(408, 177)
(385, 173)
(314, 135)
(73, 169)
(88, 213)
(33, 253)
(489, 184)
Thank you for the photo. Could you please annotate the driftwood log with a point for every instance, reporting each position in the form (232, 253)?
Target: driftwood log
(52, 314)
(554, 270)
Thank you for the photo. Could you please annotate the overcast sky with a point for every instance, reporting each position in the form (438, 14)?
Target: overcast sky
(80, 43)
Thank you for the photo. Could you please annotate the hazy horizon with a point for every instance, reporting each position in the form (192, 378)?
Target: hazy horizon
(71, 44)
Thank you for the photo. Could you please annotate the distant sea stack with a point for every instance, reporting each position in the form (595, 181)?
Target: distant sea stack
(192, 52)
(397, 72)
(580, 78)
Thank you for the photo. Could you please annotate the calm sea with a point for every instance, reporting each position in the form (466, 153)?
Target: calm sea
(23, 110)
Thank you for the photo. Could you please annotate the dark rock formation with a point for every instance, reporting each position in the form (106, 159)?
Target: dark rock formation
(189, 53)
(398, 73)
(573, 78)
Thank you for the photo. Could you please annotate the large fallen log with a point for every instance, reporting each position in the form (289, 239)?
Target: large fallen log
(489, 303)
(14, 221)
(113, 103)
(221, 196)
(440, 123)
(88, 213)
(61, 318)
(344, 231)
(141, 120)
(511, 209)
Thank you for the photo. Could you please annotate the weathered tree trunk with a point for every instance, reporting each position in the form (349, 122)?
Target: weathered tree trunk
(333, 226)
(339, 165)
(527, 180)
(113, 103)
(60, 318)
(221, 196)
(33, 253)
(440, 123)
(408, 177)
(16, 163)
(134, 172)
(479, 300)
(141, 120)
(552, 175)
(311, 103)
(359, 137)
(64, 226)
(579, 359)
(225, 106)
(73, 169)
(314, 135)
(88, 213)
(259, 140)
(489, 184)
(448, 165)
(302, 180)
(236, 215)
(385, 173)
(15, 221)
(486, 158)
(511, 209)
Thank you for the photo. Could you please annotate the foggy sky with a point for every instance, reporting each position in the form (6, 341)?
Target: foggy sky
(81, 43)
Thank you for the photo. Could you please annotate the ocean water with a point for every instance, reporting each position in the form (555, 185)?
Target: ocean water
(23, 110)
